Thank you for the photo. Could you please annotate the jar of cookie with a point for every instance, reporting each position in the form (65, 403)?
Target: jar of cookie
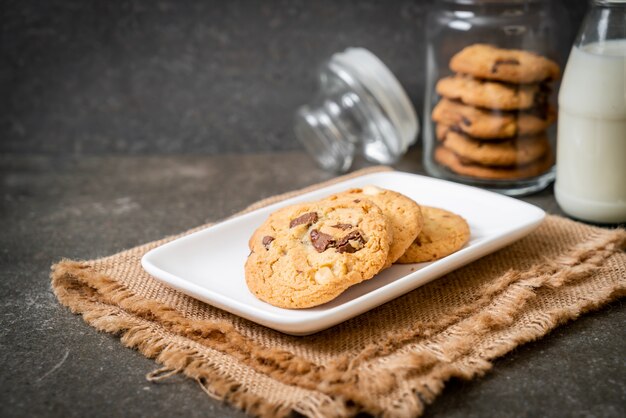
(492, 71)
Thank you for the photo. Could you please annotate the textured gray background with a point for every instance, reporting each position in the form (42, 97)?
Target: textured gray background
(87, 77)
(101, 105)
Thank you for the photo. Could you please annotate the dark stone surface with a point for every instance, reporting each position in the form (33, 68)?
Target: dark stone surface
(143, 77)
(95, 94)
(53, 364)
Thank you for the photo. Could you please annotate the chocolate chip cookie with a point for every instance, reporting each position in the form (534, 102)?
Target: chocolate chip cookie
(509, 65)
(487, 124)
(464, 167)
(491, 94)
(402, 213)
(443, 233)
(308, 254)
(518, 151)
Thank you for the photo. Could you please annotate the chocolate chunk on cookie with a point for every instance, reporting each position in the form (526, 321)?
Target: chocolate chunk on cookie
(307, 219)
(487, 124)
(509, 65)
(350, 243)
(403, 214)
(443, 233)
(266, 241)
(490, 94)
(310, 260)
(321, 241)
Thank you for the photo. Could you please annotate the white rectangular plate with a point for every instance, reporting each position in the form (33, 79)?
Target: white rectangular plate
(209, 264)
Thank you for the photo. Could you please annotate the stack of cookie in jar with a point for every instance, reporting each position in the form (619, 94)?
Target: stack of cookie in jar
(494, 112)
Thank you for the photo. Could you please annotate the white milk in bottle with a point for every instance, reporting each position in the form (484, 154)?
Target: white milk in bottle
(591, 147)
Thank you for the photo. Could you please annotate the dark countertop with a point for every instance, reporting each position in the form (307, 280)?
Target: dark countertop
(122, 122)
(53, 364)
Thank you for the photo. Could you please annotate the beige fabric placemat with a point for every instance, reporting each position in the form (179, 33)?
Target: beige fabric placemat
(391, 361)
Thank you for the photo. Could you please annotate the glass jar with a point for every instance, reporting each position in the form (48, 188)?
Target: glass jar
(489, 115)
(360, 107)
(591, 154)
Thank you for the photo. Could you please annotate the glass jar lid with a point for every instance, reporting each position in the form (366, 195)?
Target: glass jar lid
(385, 87)
(360, 106)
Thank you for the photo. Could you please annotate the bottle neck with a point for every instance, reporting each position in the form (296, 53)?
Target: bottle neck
(605, 21)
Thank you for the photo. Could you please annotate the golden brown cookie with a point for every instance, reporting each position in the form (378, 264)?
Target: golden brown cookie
(402, 213)
(510, 65)
(441, 131)
(310, 253)
(443, 233)
(486, 124)
(453, 162)
(512, 152)
(491, 94)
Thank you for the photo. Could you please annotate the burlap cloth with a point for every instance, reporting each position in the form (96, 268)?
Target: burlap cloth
(390, 361)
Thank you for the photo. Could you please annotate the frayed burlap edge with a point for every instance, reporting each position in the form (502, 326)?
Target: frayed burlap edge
(152, 328)
(111, 307)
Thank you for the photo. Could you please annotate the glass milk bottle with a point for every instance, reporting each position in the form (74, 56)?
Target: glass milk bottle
(591, 147)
